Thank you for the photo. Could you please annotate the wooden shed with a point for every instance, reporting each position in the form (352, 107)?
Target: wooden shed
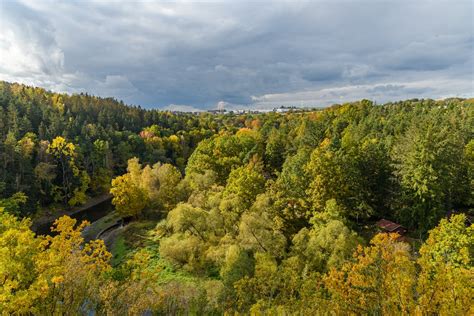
(391, 227)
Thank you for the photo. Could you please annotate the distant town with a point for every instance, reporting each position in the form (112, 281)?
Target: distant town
(281, 109)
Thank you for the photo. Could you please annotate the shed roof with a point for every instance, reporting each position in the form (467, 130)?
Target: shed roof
(389, 226)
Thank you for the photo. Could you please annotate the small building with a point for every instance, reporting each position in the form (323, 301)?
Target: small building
(217, 111)
(391, 227)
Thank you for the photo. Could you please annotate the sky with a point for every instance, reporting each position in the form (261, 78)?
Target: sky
(240, 54)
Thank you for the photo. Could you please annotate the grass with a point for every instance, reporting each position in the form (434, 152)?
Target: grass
(133, 236)
(136, 233)
(119, 251)
(136, 236)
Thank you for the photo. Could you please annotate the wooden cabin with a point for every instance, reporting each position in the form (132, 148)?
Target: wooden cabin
(390, 227)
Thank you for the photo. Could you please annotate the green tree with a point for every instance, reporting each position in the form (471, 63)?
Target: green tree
(327, 177)
(328, 243)
(469, 154)
(431, 171)
(258, 233)
(275, 150)
(261, 286)
(170, 191)
(246, 183)
(446, 261)
(186, 218)
(45, 174)
(223, 153)
(13, 204)
(237, 265)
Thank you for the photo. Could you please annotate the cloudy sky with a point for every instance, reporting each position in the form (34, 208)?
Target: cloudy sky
(198, 54)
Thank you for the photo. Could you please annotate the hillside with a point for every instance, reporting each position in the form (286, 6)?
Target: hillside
(270, 213)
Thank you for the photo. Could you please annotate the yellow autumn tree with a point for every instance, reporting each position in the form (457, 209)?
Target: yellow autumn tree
(380, 280)
(135, 294)
(71, 183)
(19, 288)
(129, 199)
(71, 269)
(49, 275)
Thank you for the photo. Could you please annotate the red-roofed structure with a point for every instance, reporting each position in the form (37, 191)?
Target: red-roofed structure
(391, 227)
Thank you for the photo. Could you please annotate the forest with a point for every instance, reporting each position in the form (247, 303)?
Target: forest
(237, 214)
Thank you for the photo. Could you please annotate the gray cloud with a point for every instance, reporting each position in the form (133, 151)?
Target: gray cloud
(159, 54)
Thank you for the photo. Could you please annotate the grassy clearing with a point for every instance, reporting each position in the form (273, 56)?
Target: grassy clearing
(136, 233)
(119, 251)
(132, 236)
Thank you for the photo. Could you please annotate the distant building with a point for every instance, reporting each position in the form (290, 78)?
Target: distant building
(217, 111)
(391, 227)
(284, 109)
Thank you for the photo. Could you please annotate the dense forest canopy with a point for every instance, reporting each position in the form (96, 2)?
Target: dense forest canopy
(250, 213)
(101, 134)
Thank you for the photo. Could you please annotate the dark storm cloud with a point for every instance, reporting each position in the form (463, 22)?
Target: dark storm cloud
(248, 53)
